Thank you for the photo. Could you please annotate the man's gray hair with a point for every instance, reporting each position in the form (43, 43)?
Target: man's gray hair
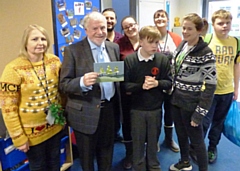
(93, 16)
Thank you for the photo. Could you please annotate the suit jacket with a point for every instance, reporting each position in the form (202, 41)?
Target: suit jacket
(83, 108)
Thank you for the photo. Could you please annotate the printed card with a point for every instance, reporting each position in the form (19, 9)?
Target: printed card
(110, 71)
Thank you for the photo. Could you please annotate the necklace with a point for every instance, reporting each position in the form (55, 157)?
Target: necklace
(165, 44)
(54, 111)
(45, 78)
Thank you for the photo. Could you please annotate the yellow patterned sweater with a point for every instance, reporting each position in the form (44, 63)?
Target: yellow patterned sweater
(23, 99)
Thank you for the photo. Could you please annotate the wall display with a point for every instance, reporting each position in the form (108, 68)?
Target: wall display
(67, 21)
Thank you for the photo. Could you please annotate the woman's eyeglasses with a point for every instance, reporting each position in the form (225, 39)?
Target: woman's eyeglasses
(130, 26)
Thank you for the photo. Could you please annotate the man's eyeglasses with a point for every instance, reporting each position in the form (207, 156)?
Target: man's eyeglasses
(130, 26)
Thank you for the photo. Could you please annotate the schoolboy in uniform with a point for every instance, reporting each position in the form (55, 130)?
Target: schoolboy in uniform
(147, 74)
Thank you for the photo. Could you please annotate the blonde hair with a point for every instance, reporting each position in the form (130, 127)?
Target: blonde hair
(27, 31)
(149, 32)
(221, 14)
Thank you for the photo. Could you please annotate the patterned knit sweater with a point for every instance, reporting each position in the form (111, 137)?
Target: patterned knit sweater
(195, 82)
(23, 99)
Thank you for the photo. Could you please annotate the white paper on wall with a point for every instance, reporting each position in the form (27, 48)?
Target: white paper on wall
(146, 10)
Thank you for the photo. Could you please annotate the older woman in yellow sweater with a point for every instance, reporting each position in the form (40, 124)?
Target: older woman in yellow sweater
(29, 98)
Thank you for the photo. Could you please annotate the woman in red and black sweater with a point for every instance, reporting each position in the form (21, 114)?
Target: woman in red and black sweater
(128, 44)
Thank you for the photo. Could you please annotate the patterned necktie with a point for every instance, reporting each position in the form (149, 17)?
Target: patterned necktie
(107, 88)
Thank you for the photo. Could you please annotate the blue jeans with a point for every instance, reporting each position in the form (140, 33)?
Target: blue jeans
(216, 117)
(186, 132)
(45, 156)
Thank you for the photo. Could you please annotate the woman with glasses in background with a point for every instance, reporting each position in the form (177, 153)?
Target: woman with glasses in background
(128, 44)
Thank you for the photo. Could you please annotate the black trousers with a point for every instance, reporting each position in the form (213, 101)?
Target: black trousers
(126, 125)
(168, 120)
(100, 144)
(46, 155)
(186, 132)
(146, 127)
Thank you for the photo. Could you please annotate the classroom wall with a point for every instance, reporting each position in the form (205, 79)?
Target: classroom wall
(106, 4)
(17, 15)
(122, 9)
(179, 8)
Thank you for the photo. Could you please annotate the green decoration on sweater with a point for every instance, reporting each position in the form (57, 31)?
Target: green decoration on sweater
(57, 113)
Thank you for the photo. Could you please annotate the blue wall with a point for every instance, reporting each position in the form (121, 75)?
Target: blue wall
(122, 9)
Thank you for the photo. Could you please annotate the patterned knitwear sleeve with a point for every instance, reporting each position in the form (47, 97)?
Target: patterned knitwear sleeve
(209, 85)
(9, 99)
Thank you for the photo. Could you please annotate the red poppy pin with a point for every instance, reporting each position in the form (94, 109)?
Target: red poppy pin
(155, 71)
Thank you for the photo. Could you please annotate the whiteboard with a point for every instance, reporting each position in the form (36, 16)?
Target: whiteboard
(146, 10)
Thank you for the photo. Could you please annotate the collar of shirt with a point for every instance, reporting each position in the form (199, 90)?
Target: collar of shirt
(141, 58)
(96, 49)
(94, 46)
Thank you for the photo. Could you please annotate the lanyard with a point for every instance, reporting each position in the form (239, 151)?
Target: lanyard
(165, 44)
(181, 56)
(45, 78)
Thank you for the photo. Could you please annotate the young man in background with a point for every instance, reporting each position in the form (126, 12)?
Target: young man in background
(225, 48)
(111, 18)
(113, 36)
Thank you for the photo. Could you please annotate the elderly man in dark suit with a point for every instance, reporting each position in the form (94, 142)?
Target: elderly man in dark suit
(90, 105)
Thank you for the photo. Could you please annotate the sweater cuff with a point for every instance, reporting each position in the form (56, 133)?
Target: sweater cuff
(197, 118)
(19, 140)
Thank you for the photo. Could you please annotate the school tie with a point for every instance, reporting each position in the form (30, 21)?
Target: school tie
(107, 88)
